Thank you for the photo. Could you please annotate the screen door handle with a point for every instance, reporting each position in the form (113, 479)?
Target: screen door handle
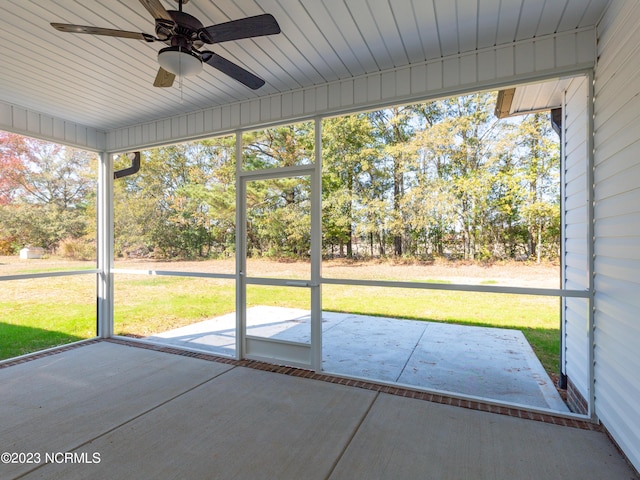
(299, 283)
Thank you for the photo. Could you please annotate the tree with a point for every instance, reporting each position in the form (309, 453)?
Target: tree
(394, 128)
(431, 179)
(46, 191)
(180, 204)
(349, 151)
(541, 172)
(453, 176)
(278, 209)
(46, 173)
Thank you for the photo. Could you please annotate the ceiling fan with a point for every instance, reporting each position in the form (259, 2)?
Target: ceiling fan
(185, 36)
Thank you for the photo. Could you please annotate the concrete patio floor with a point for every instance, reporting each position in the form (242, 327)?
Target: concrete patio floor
(489, 363)
(108, 410)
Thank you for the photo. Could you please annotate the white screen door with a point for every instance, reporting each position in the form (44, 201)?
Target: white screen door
(279, 292)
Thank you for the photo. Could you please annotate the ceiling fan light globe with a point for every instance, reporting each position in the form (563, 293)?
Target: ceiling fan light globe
(180, 62)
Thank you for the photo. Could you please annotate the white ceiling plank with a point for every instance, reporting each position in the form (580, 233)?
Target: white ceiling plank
(551, 16)
(541, 96)
(351, 43)
(333, 45)
(106, 82)
(573, 16)
(446, 16)
(427, 28)
(388, 29)
(354, 36)
(593, 13)
(408, 20)
(508, 19)
(529, 20)
(104, 15)
(467, 25)
(488, 13)
(309, 40)
(296, 44)
(63, 62)
(365, 20)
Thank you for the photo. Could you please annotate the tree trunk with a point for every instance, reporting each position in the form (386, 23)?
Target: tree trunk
(539, 246)
(397, 196)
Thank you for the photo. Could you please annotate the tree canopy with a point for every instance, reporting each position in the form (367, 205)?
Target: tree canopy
(47, 196)
(444, 178)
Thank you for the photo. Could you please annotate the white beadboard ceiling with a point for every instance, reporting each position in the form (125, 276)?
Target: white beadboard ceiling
(541, 96)
(106, 82)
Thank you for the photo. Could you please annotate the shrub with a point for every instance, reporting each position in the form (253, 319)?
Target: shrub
(77, 248)
(8, 245)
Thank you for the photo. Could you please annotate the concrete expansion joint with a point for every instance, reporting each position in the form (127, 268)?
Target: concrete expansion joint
(380, 388)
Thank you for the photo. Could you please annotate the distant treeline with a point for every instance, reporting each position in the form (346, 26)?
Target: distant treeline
(443, 178)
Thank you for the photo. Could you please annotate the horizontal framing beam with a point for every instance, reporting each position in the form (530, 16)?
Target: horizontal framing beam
(545, 57)
(171, 273)
(29, 276)
(30, 123)
(545, 292)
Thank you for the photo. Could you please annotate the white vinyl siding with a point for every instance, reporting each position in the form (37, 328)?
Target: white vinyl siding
(617, 225)
(576, 217)
(33, 124)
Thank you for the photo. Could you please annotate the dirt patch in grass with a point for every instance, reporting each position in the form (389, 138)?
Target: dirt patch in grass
(522, 274)
(545, 275)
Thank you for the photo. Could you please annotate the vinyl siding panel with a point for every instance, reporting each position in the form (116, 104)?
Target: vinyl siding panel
(575, 264)
(576, 343)
(575, 278)
(576, 185)
(526, 60)
(617, 225)
(626, 155)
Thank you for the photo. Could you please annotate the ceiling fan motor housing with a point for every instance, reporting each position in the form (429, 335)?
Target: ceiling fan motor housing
(180, 58)
(183, 31)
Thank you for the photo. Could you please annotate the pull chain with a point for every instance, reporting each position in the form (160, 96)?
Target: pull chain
(180, 69)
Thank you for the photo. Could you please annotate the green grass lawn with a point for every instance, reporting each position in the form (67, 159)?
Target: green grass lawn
(39, 313)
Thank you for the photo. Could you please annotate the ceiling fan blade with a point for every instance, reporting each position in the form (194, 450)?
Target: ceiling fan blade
(234, 71)
(164, 78)
(237, 29)
(66, 27)
(155, 8)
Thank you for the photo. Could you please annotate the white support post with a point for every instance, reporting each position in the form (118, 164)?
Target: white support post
(105, 247)
(563, 240)
(316, 251)
(241, 248)
(591, 251)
